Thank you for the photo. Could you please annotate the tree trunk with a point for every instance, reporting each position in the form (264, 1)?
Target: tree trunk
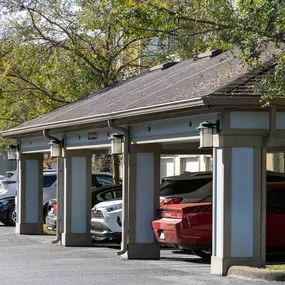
(116, 168)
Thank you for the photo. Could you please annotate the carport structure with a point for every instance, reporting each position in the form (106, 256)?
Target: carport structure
(159, 112)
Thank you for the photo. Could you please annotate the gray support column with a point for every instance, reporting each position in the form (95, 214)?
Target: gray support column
(77, 199)
(239, 208)
(144, 182)
(30, 194)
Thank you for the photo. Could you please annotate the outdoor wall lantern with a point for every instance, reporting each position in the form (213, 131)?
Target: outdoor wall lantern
(56, 148)
(207, 130)
(116, 143)
(13, 152)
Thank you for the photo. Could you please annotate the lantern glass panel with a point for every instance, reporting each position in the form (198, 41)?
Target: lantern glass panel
(117, 146)
(12, 153)
(55, 150)
(206, 137)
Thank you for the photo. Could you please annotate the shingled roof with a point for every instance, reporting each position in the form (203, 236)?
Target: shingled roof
(185, 81)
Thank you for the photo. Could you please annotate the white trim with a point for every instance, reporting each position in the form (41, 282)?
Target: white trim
(104, 146)
(167, 140)
(35, 151)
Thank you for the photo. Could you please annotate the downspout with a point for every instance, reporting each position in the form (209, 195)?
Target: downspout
(125, 216)
(59, 203)
(47, 135)
(272, 126)
(58, 190)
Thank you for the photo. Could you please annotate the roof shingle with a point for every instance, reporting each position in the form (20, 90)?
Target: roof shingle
(186, 80)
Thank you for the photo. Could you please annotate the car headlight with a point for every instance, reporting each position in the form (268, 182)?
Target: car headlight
(4, 203)
(114, 208)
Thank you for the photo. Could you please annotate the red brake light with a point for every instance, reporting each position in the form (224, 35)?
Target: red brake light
(169, 201)
(54, 207)
(7, 182)
(171, 214)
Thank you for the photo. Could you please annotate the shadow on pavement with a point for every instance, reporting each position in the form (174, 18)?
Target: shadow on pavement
(190, 259)
(185, 256)
(107, 244)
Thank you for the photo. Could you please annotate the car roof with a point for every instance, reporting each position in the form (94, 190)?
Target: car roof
(106, 187)
(188, 176)
(11, 171)
(102, 173)
(50, 173)
(207, 174)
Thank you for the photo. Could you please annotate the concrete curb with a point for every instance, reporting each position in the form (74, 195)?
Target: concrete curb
(257, 273)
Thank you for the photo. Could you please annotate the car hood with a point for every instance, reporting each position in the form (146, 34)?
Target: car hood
(108, 204)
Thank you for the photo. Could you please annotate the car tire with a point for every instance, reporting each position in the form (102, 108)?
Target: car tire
(11, 218)
(202, 253)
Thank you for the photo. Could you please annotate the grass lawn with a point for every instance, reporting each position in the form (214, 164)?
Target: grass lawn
(46, 231)
(275, 267)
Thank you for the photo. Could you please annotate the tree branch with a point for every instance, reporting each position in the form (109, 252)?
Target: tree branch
(50, 96)
(185, 18)
(60, 44)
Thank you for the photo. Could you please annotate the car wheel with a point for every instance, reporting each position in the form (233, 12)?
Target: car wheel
(12, 217)
(202, 253)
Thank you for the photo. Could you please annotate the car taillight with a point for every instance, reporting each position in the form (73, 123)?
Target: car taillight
(8, 182)
(171, 214)
(169, 201)
(54, 207)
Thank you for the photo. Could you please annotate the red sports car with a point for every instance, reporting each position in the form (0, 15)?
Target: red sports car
(189, 226)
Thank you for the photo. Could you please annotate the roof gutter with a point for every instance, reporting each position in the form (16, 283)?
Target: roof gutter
(108, 116)
(240, 100)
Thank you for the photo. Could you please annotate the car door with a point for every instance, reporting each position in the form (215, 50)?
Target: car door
(275, 219)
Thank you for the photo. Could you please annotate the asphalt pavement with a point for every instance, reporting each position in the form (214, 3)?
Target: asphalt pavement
(35, 260)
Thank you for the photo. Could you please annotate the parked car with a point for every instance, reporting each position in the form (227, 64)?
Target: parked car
(103, 193)
(189, 226)
(49, 189)
(106, 220)
(7, 211)
(50, 185)
(8, 185)
(185, 188)
(106, 216)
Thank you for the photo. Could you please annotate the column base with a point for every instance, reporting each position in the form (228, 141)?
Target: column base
(29, 229)
(220, 265)
(76, 239)
(142, 251)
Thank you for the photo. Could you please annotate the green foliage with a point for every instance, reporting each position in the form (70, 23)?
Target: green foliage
(55, 51)
(275, 267)
(103, 163)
